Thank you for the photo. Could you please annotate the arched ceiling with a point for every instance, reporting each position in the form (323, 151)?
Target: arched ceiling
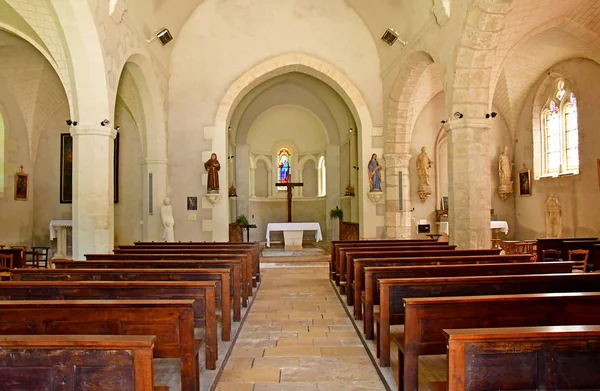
(33, 83)
(293, 89)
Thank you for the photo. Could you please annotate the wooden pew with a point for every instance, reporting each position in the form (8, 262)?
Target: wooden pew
(255, 246)
(171, 321)
(246, 269)
(222, 276)
(337, 244)
(343, 266)
(17, 256)
(239, 295)
(358, 285)
(394, 290)
(374, 274)
(75, 362)
(341, 250)
(426, 318)
(524, 358)
(201, 292)
(426, 252)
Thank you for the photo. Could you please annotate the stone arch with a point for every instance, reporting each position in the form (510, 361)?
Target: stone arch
(302, 63)
(397, 138)
(475, 57)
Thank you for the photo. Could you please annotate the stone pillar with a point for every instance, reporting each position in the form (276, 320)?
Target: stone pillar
(243, 174)
(152, 229)
(93, 190)
(354, 177)
(469, 183)
(271, 184)
(333, 187)
(398, 213)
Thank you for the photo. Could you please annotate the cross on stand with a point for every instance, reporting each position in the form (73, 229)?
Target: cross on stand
(290, 187)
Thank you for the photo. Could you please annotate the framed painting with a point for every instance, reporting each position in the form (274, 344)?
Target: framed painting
(525, 183)
(445, 203)
(21, 186)
(66, 168)
(192, 203)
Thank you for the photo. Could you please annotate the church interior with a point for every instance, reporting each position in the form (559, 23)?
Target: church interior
(129, 122)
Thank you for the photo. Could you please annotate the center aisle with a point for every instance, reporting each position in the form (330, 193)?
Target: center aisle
(298, 337)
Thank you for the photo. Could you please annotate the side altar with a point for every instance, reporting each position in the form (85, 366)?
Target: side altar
(293, 233)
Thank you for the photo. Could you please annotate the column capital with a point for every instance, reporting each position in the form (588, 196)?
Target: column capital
(468, 124)
(83, 130)
(397, 159)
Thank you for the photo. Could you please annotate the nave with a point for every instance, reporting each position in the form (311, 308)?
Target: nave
(298, 336)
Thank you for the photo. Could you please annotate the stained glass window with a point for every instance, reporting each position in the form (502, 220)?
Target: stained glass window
(283, 164)
(322, 177)
(561, 135)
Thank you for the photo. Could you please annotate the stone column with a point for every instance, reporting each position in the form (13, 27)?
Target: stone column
(152, 229)
(333, 186)
(93, 190)
(243, 176)
(469, 183)
(398, 213)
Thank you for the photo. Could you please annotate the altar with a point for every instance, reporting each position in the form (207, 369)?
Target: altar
(58, 231)
(293, 232)
(501, 226)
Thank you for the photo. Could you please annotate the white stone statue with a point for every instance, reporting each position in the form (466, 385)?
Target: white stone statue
(424, 172)
(168, 221)
(505, 169)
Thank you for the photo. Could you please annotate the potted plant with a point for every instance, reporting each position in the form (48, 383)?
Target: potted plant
(236, 233)
(242, 220)
(336, 214)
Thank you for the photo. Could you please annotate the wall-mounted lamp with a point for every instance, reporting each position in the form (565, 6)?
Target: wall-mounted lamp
(230, 157)
(458, 115)
(351, 130)
(443, 121)
(356, 168)
(104, 122)
(163, 34)
(71, 123)
(493, 114)
(117, 128)
(229, 129)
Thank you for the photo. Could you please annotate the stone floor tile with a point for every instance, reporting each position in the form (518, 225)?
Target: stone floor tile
(253, 375)
(240, 363)
(286, 387)
(343, 351)
(239, 352)
(294, 342)
(234, 386)
(276, 362)
(320, 342)
(350, 386)
(293, 351)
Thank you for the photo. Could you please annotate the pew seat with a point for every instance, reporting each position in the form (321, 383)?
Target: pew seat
(77, 362)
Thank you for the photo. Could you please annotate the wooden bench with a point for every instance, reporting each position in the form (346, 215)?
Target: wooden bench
(336, 245)
(246, 266)
(559, 244)
(255, 246)
(374, 274)
(341, 260)
(235, 266)
(426, 252)
(222, 276)
(358, 285)
(75, 362)
(394, 291)
(524, 358)
(426, 318)
(171, 321)
(202, 293)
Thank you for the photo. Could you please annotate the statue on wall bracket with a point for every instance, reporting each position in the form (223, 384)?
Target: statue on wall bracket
(212, 166)
(505, 181)
(424, 172)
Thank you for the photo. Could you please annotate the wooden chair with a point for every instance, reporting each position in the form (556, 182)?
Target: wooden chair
(42, 255)
(32, 259)
(509, 247)
(523, 248)
(581, 257)
(6, 263)
(550, 255)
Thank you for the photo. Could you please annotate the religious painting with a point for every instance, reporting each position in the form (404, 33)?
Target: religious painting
(525, 183)
(192, 203)
(66, 168)
(21, 186)
(445, 204)
(283, 164)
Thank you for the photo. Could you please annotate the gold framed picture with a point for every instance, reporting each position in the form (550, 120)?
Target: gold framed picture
(525, 183)
(21, 186)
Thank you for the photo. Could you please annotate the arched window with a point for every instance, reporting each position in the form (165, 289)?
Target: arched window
(2, 134)
(322, 177)
(560, 132)
(283, 165)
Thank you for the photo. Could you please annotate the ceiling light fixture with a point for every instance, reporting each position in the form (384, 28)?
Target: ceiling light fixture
(390, 36)
(163, 34)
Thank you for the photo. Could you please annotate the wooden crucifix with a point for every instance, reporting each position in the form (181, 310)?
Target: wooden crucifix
(290, 186)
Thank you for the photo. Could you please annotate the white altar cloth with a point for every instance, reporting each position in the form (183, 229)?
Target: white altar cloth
(501, 225)
(58, 223)
(294, 227)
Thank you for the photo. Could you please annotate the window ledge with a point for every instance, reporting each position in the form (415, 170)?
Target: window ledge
(559, 175)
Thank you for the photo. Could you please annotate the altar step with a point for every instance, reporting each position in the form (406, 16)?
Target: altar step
(309, 255)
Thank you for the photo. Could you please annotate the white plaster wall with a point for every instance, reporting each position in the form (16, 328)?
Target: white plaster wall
(129, 210)
(46, 186)
(577, 194)
(309, 178)
(292, 123)
(224, 39)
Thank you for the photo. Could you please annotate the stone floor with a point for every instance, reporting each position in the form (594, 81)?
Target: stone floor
(297, 336)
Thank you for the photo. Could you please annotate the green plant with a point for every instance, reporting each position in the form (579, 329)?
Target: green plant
(242, 220)
(336, 213)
